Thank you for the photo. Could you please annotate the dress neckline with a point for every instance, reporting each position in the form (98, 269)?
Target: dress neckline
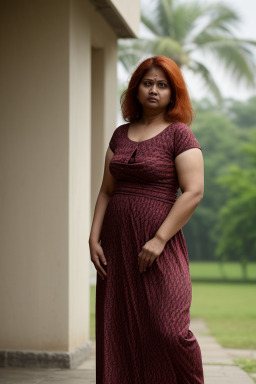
(151, 138)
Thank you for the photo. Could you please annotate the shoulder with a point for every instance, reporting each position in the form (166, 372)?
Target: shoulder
(183, 138)
(119, 129)
(181, 128)
(117, 134)
(180, 131)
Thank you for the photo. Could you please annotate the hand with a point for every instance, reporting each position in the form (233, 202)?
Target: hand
(150, 251)
(97, 255)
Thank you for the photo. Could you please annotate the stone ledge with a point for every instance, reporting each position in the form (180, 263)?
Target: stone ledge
(119, 25)
(45, 359)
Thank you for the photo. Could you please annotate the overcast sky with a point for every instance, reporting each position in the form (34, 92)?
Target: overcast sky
(247, 29)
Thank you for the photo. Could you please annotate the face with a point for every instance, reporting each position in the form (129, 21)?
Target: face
(154, 90)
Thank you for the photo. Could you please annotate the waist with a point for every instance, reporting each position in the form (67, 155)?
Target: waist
(154, 191)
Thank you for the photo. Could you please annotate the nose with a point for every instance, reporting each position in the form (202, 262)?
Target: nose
(153, 89)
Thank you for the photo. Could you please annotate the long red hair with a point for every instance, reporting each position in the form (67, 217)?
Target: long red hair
(179, 110)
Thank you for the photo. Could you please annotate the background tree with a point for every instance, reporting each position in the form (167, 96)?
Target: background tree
(219, 139)
(241, 113)
(182, 30)
(221, 132)
(237, 230)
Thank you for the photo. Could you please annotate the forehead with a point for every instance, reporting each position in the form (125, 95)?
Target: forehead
(155, 72)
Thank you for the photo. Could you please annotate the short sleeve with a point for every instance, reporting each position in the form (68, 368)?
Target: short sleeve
(184, 139)
(113, 141)
(115, 138)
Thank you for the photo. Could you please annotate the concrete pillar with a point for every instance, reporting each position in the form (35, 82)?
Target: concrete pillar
(79, 172)
(97, 126)
(45, 180)
(103, 107)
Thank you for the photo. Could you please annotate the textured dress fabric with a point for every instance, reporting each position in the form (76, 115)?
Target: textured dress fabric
(143, 319)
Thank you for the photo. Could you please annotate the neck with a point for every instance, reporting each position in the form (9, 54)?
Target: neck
(149, 118)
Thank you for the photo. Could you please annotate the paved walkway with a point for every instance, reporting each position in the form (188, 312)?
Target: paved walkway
(219, 367)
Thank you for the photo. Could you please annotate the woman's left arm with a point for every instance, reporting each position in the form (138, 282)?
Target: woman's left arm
(190, 172)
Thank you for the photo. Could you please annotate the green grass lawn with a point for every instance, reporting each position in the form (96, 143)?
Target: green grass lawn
(248, 365)
(228, 309)
(214, 270)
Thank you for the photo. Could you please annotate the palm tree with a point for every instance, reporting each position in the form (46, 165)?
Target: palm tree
(181, 31)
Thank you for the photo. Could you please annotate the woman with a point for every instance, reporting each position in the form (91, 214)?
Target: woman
(143, 292)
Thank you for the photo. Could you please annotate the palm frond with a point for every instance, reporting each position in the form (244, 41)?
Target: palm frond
(150, 24)
(164, 16)
(201, 70)
(234, 54)
(132, 51)
(237, 59)
(171, 48)
(221, 17)
(185, 19)
(180, 29)
(167, 46)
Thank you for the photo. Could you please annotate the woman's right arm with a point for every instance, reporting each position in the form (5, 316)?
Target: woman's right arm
(104, 196)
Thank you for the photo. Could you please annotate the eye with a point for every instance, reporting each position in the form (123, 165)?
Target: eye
(147, 83)
(162, 85)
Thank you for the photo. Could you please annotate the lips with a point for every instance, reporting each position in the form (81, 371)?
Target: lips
(152, 99)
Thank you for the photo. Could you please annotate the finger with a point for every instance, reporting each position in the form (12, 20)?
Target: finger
(140, 261)
(102, 256)
(98, 263)
(101, 275)
(150, 262)
(99, 268)
(145, 264)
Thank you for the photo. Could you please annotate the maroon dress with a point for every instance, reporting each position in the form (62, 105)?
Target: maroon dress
(143, 319)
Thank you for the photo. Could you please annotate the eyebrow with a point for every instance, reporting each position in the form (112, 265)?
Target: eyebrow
(158, 80)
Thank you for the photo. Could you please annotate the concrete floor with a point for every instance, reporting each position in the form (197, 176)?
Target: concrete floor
(219, 367)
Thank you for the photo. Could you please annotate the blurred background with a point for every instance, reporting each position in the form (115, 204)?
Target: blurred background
(214, 43)
(64, 65)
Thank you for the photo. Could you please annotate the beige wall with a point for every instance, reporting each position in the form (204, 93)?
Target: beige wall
(34, 173)
(58, 111)
(104, 88)
(79, 171)
(93, 61)
(45, 169)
